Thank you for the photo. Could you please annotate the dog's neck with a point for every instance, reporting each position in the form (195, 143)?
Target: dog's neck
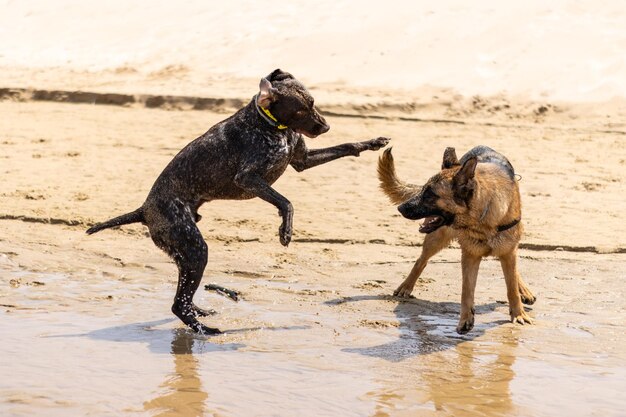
(486, 225)
(492, 215)
(267, 115)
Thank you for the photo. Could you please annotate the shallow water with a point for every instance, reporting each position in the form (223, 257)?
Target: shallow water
(67, 362)
(77, 346)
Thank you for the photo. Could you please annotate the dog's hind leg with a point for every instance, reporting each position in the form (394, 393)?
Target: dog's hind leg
(527, 296)
(511, 276)
(433, 243)
(173, 229)
(191, 258)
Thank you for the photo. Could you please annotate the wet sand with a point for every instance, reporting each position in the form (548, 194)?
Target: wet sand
(86, 322)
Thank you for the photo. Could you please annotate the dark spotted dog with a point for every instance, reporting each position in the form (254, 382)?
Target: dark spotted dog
(237, 159)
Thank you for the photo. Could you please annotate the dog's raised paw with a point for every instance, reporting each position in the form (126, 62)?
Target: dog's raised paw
(526, 296)
(376, 144)
(284, 234)
(528, 299)
(233, 295)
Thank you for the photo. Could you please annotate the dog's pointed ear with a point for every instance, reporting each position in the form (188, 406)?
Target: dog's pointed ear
(267, 93)
(449, 159)
(463, 182)
(467, 171)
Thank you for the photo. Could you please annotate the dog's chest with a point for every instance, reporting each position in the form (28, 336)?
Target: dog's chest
(277, 148)
(277, 154)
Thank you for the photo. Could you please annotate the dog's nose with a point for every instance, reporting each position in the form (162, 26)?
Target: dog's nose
(324, 127)
(402, 208)
(408, 210)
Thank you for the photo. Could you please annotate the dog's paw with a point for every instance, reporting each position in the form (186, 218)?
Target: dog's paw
(466, 322)
(233, 295)
(204, 330)
(376, 144)
(403, 291)
(521, 317)
(284, 234)
(527, 297)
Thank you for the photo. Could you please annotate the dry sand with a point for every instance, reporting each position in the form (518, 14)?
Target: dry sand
(561, 50)
(86, 327)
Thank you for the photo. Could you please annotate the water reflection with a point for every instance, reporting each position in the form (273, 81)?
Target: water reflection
(468, 380)
(183, 393)
(473, 379)
(444, 373)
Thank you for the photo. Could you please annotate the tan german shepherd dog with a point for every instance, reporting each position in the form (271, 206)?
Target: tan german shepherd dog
(476, 201)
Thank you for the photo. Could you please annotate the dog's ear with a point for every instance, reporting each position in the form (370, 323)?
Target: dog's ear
(449, 159)
(463, 182)
(267, 93)
(279, 75)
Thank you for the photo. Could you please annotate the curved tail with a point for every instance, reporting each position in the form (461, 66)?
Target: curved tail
(132, 217)
(398, 191)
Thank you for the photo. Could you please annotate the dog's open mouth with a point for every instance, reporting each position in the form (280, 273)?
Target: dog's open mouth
(307, 134)
(431, 223)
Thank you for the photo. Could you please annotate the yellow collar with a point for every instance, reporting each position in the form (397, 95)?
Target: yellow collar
(268, 116)
(271, 116)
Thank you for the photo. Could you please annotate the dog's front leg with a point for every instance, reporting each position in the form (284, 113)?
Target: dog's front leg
(308, 158)
(256, 185)
(433, 243)
(470, 264)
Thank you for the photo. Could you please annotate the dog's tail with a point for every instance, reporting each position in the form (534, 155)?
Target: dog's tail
(132, 217)
(398, 191)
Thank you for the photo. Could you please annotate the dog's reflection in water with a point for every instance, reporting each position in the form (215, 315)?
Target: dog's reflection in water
(476, 379)
(183, 394)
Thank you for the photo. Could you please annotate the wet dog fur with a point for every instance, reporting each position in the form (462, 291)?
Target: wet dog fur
(237, 159)
(475, 200)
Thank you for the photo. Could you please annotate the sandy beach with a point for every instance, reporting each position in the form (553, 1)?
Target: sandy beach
(95, 99)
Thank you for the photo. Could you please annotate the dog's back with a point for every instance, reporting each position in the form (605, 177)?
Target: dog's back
(485, 154)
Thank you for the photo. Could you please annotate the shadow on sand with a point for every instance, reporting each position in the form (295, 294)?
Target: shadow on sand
(425, 326)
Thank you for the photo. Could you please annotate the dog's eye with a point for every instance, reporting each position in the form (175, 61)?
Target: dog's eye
(300, 114)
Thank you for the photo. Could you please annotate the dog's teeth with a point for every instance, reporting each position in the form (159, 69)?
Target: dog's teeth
(429, 220)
